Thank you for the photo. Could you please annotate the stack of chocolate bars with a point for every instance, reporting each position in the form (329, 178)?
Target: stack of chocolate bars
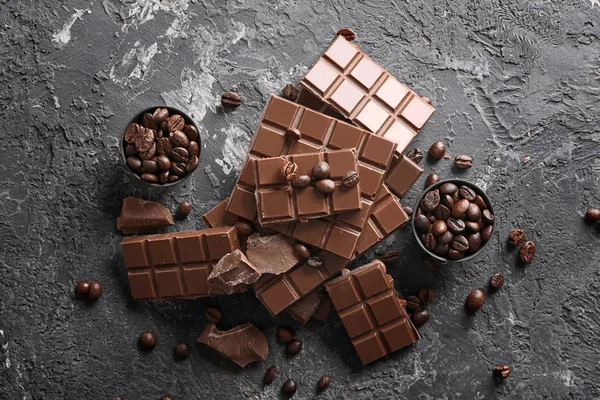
(356, 119)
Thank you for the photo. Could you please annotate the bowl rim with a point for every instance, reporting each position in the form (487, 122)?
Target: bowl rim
(136, 117)
(459, 182)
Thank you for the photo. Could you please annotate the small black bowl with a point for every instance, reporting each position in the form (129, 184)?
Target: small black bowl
(138, 118)
(459, 183)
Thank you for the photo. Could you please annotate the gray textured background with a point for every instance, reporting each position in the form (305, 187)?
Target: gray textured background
(510, 79)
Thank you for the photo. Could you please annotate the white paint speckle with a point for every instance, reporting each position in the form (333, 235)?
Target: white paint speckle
(64, 35)
(235, 149)
(595, 3)
(135, 64)
(195, 96)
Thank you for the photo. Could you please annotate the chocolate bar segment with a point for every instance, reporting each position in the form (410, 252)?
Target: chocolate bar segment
(348, 81)
(305, 308)
(403, 175)
(143, 216)
(218, 216)
(278, 201)
(175, 264)
(371, 312)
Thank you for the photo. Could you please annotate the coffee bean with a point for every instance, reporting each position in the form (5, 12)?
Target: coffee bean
(301, 182)
(487, 217)
(144, 140)
(463, 162)
(166, 398)
(446, 238)
(244, 228)
(290, 92)
(527, 252)
(130, 150)
(516, 237)
(592, 214)
(315, 261)
(163, 162)
(426, 295)
(147, 340)
(496, 281)
(455, 225)
(134, 163)
(442, 212)
(422, 223)
(448, 188)
(149, 166)
(293, 347)
(175, 123)
(486, 233)
(325, 186)
(460, 208)
(148, 121)
(454, 254)
(164, 146)
(475, 299)
(160, 115)
(431, 217)
(184, 209)
(432, 179)
(432, 264)
(437, 150)
(350, 179)
(288, 171)
(420, 317)
(467, 192)
(191, 132)
(192, 164)
(182, 351)
(439, 228)
(480, 202)
(390, 256)
(231, 100)
(82, 288)
(347, 33)
(448, 200)
(289, 387)
(430, 241)
(179, 139)
(502, 371)
(324, 382)
(172, 177)
(431, 201)
(163, 176)
(213, 315)
(149, 177)
(413, 303)
(132, 132)
(474, 242)
(460, 243)
(415, 154)
(426, 99)
(408, 210)
(302, 251)
(147, 155)
(193, 149)
(473, 226)
(474, 212)
(293, 133)
(285, 334)
(321, 170)
(94, 291)
(270, 375)
(177, 169)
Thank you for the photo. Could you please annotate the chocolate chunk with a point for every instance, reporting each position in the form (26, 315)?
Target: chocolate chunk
(271, 254)
(232, 274)
(241, 344)
(303, 309)
(142, 216)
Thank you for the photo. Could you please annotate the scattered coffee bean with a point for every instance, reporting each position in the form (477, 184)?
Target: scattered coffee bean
(324, 382)
(439, 228)
(321, 170)
(474, 213)
(315, 261)
(419, 317)
(270, 375)
(166, 398)
(293, 133)
(426, 295)
(592, 214)
(285, 334)
(184, 209)
(347, 33)
(302, 251)
(288, 171)
(430, 201)
(390, 256)
(147, 340)
(415, 154)
(213, 315)
(486, 233)
(182, 350)
(516, 237)
(408, 210)
(413, 303)
(94, 291)
(289, 387)
(350, 179)
(301, 182)
(432, 179)
(325, 186)
(527, 252)
(502, 371)
(244, 228)
(231, 100)
(293, 347)
(426, 99)
(475, 299)
(448, 188)
(463, 162)
(175, 123)
(437, 150)
(496, 281)
(82, 288)
(290, 92)
(422, 223)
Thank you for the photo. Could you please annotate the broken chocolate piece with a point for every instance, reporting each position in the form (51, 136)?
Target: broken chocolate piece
(271, 254)
(304, 309)
(232, 274)
(325, 307)
(142, 216)
(241, 344)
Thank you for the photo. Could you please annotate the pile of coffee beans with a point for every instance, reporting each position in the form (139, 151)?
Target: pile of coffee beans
(454, 221)
(160, 147)
(415, 306)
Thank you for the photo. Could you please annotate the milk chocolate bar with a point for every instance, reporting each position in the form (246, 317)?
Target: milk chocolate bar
(372, 313)
(142, 216)
(175, 264)
(278, 200)
(350, 82)
(403, 175)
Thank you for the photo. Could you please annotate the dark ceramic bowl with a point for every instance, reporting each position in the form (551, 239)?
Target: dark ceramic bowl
(459, 183)
(138, 118)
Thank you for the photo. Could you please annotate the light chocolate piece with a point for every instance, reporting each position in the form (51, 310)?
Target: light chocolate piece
(232, 274)
(242, 344)
(272, 254)
(143, 216)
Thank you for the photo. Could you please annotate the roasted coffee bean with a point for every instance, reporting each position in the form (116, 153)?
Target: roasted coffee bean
(460, 243)
(324, 382)
(193, 149)
(149, 177)
(179, 139)
(592, 214)
(516, 237)
(325, 186)
(475, 299)
(496, 281)
(165, 398)
(350, 179)
(426, 295)
(149, 166)
(455, 197)
(293, 133)
(486, 233)
(177, 169)
(347, 33)
(175, 123)
(460, 208)
(441, 249)
(270, 375)
(455, 225)
(160, 115)
(164, 163)
(431, 217)
(473, 226)
(163, 176)
(527, 252)
(144, 140)
(415, 154)
(426, 99)
(288, 171)
(413, 303)
(243, 228)
(147, 340)
(408, 210)
(487, 217)
(182, 351)
(293, 347)
(448, 188)
(422, 223)
(302, 251)
(466, 192)
(213, 315)
(454, 254)
(442, 212)
(184, 209)
(164, 146)
(290, 92)
(321, 170)
(82, 288)
(463, 162)
(502, 371)
(474, 212)
(480, 202)
(474, 242)
(148, 121)
(301, 182)
(231, 100)
(390, 256)
(430, 201)
(315, 261)
(437, 150)
(432, 179)
(172, 178)
(289, 387)
(132, 132)
(191, 132)
(448, 200)
(285, 334)
(147, 155)
(192, 164)
(432, 264)
(134, 163)
(179, 154)
(130, 150)
(420, 317)
(430, 241)
(446, 238)
(439, 228)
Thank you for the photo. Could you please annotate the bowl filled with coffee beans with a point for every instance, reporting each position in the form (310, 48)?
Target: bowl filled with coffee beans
(161, 146)
(453, 221)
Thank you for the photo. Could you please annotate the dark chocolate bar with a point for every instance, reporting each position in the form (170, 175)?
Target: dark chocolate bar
(403, 175)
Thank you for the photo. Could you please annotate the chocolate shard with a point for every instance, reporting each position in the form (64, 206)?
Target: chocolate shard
(232, 274)
(305, 308)
(241, 344)
(271, 254)
(142, 216)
